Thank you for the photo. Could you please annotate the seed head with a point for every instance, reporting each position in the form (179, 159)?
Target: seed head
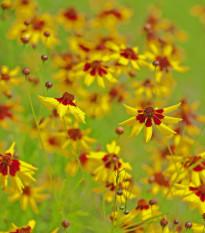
(46, 33)
(126, 212)
(188, 225)
(163, 222)
(155, 63)
(44, 57)
(176, 221)
(27, 22)
(16, 155)
(48, 85)
(119, 130)
(119, 192)
(65, 224)
(26, 71)
(25, 39)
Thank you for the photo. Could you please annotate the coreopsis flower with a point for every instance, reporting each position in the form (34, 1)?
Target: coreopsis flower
(27, 228)
(9, 78)
(143, 210)
(99, 104)
(24, 8)
(192, 168)
(110, 164)
(125, 55)
(128, 189)
(15, 171)
(34, 32)
(86, 164)
(149, 89)
(65, 104)
(29, 196)
(158, 179)
(199, 11)
(71, 19)
(118, 93)
(78, 138)
(95, 68)
(193, 194)
(111, 17)
(8, 113)
(147, 117)
(166, 62)
(189, 116)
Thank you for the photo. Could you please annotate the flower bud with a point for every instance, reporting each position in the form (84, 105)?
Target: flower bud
(126, 212)
(188, 225)
(46, 33)
(119, 130)
(119, 192)
(44, 57)
(155, 63)
(163, 222)
(65, 224)
(48, 85)
(26, 71)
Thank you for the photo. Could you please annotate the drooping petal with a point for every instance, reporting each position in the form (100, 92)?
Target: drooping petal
(148, 133)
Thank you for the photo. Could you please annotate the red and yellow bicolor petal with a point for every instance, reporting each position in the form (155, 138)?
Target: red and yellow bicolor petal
(63, 107)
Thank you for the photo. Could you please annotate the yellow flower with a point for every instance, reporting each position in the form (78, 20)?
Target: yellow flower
(125, 55)
(111, 17)
(110, 164)
(199, 10)
(14, 170)
(29, 196)
(24, 8)
(9, 78)
(99, 104)
(166, 62)
(63, 105)
(70, 18)
(78, 138)
(34, 32)
(193, 194)
(147, 117)
(95, 68)
(27, 228)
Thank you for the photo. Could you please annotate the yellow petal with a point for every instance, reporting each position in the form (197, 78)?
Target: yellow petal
(165, 130)
(148, 133)
(11, 149)
(131, 110)
(130, 122)
(171, 108)
(171, 120)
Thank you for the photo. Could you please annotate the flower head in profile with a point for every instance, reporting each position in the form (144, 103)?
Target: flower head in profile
(14, 170)
(149, 116)
(64, 104)
(24, 229)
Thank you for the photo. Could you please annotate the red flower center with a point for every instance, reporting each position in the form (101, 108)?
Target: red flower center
(83, 158)
(147, 83)
(37, 24)
(160, 179)
(149, 112)
(111, 160)
(71, 14)
(129, 54)
(4, 112)
(142, 204)
(27, 190)
(94, 98)
(53, 141)
(23, 230)
(96, 67)
(194, 159)
(163, 63)
(113, 12)
(75, 134)
(5, 77)
(68, 97)
(25, 2)
(7, 164)
(199, 191)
